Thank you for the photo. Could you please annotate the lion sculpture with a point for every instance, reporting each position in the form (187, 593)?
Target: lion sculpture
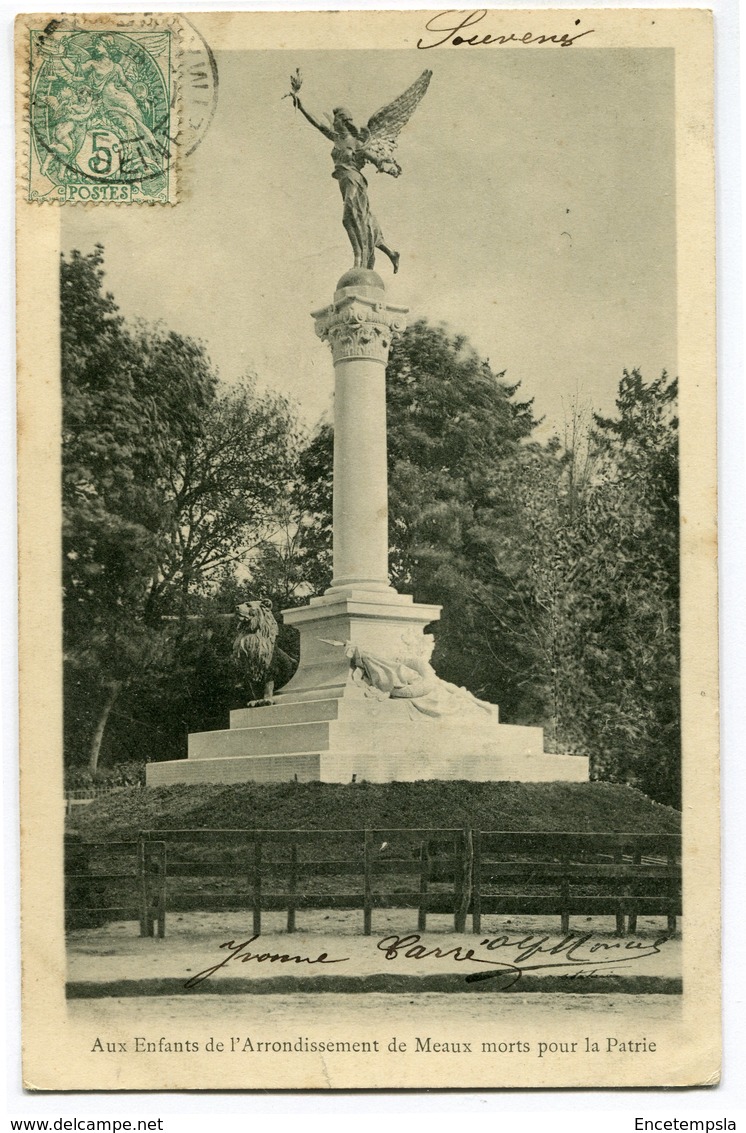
(255, 649)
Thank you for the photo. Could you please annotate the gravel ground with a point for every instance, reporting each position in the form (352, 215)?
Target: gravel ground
(288, 1012)
(349, 922)
(101, 960)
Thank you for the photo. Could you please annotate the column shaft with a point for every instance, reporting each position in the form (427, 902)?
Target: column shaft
(359, 327)
(360, 481)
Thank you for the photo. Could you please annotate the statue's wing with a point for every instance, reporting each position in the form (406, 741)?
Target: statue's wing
(386, 124)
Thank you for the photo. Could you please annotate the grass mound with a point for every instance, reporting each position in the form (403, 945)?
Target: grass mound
(598, 807)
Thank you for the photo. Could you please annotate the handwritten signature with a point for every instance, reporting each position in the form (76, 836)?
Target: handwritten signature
(575, 952)
(572, 952)
(448, 24)
(241, 952)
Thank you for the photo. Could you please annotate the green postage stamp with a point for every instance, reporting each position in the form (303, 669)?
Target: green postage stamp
(101, 114)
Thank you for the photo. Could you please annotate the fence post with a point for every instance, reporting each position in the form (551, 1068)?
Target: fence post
(632, 917)
(292, 883)
(147, 887)
(620, 925)
(673, 890)
(476, 907)
(565, 895)
(257, 886)
(152, 871)
(424, 880)
(143, 886)
(463, 853)
(160, 871)
(458, 879)
(367, 891)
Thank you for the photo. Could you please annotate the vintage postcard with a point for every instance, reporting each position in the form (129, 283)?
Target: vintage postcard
(367, 471)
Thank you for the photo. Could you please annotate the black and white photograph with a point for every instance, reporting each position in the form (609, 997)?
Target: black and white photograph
(369, 689)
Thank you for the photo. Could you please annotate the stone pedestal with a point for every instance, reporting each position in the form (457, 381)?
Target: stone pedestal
(375, 621)
(331, 721)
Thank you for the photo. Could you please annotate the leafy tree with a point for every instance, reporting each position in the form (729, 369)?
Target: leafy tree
(637, 677)
(110, 452)
(456, 438)
(603, 584)
(301, 564)
(167, 478)
(457, 445)
(224, 492)
(556, 564)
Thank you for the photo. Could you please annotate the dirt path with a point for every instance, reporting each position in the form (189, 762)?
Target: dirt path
(293, 1011)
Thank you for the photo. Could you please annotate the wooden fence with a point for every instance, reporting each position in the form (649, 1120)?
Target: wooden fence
(577, 874)
(102, 882)
(453, 871)
(83, 796)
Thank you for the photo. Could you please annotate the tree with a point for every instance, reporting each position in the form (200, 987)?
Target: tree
(603, 579)
(456, 439)
(638, 619)
(298, 563)
(556, 564)
(111, 447)
(167, 478)
(224, 493)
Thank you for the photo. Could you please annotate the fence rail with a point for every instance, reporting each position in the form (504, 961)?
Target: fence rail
(459, 871)
(101, 881)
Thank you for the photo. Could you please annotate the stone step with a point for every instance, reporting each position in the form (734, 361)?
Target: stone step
(328, 692)
(305, 767)
(385, 765)
(277, 739)
(363, 730)
(293, 712)
(378, 766)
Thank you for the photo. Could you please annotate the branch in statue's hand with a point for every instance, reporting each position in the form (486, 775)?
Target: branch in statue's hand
(388, 165)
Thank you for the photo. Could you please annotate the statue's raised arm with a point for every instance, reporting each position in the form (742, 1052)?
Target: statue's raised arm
(353, 148)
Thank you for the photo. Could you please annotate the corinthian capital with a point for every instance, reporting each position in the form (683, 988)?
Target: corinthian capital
(357, 326)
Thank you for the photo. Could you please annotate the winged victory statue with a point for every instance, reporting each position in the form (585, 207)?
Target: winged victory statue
(353, 148)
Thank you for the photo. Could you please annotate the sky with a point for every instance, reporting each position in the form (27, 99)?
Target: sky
(535, 215)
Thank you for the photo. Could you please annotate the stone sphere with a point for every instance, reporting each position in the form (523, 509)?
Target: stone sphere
(361, 277)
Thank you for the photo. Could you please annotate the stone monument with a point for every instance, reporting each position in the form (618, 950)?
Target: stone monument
(365, 702)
